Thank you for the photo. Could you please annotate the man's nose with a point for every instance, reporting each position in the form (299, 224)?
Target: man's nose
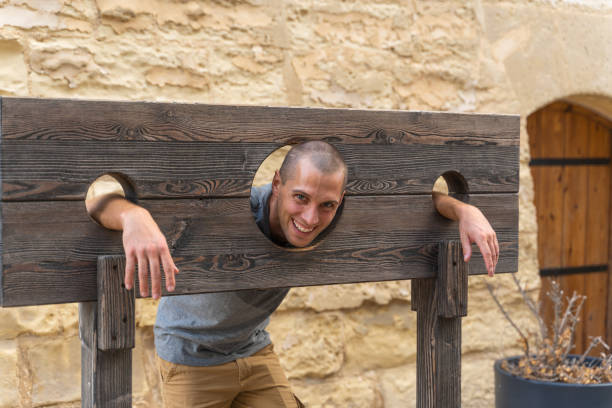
(311, 215)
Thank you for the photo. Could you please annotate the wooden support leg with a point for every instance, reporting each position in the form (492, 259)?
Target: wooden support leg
(107, 329)
(440, 303)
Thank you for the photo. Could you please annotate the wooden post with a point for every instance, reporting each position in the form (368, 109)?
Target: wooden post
(440, 303)
(107, 329)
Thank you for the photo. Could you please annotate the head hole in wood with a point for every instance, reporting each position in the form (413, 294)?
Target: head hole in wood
(296, 202)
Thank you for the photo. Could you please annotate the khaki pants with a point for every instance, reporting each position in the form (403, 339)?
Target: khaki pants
(257, 381)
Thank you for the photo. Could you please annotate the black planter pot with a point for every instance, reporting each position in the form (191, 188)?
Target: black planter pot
(517, 392)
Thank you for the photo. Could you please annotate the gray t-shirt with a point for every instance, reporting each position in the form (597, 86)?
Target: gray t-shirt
(216, 328)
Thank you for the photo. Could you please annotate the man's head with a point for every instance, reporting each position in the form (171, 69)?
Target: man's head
(306, 192)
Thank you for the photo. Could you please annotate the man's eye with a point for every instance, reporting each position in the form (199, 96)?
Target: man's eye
(329, 205)
(300, 197)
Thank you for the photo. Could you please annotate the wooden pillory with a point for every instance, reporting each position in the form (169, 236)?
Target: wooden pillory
(192, 167)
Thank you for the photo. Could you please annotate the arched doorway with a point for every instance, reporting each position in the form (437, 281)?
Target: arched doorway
(570, 164)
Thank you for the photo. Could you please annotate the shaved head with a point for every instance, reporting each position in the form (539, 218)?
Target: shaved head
(325, 157)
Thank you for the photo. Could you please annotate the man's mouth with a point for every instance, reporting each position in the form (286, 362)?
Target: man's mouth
(301, 228)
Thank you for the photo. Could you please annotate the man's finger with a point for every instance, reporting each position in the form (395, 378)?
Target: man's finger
(483, 246)
(487, 255)
(496, 244)
(169, 270)
(467, 247)
(155, 275)
(143, 280)
(129, 272)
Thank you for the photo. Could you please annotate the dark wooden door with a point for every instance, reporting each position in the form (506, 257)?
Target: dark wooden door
(570, 151)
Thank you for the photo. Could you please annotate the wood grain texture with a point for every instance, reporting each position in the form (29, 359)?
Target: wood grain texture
(575, 211)
(547, 139)
(452, 278)
(89, 350)
(427, 316)
(597, 236)
(106, 376)
(77, 120)
(217, 246)
(63, 170)
(438, 337)
(573, 207)
(609, 286)
(182, 158)
(56, 148)
(116, 315)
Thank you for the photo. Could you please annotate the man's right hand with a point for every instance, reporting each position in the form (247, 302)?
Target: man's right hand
(145, 245)
(143, 242)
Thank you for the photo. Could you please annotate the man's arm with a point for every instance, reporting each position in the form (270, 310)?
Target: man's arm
(143, 242)
(473, 228)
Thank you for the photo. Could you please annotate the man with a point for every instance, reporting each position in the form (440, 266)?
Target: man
(213, 349)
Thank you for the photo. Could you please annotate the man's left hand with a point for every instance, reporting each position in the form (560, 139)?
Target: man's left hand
(474, 228)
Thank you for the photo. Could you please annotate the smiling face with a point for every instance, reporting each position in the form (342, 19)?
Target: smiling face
(303, 206)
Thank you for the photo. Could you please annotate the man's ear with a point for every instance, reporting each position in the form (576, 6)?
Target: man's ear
(276, 182)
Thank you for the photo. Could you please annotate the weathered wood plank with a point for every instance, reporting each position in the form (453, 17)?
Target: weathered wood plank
(71, 120)
(546, 128)
(218, 247)
(575, 208)
(425, 304)
(452, 279)
(89, 350)
(116, 321)
(63, 170)
(439, 338)
(609, 286)
(597, 236)
(56, 148)
(106, 376)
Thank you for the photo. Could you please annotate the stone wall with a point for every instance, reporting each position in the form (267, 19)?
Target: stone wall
(346, 345)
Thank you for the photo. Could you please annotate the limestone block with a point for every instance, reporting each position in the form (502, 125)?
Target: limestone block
(73, 65)
(10, 328)
(346, 296)
(165, 11)
(355, 28)
(308, 344)
(361, 391)
(184, 13)
(38, 320)
(54, 14)
(9, 390)
(55, 365)
(550, 53)
(485, 329)
(380, 337)
(433, 92)
(240, 88)
(477, 380)
(528, 258)
(81, 9)
(146, 311)
(145, 375)
(248, 64)
(13, 71)
(162, 76)
(24, 17)
(398, 386)
(308, 66)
